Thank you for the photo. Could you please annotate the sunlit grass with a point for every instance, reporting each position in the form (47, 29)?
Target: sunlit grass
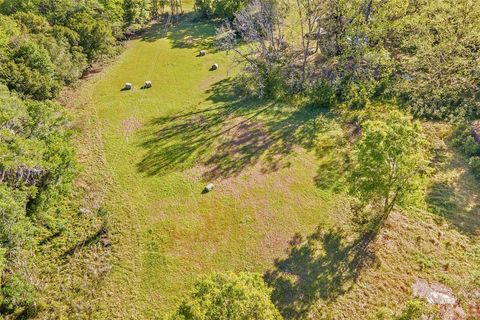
(162, 145)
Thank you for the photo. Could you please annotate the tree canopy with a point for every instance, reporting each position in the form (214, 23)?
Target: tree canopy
(229, 296)
(421, 54)
(389, 161)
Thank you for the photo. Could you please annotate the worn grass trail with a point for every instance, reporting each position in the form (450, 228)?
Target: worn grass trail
(163, 144)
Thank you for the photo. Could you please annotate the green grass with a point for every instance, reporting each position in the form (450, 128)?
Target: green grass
(151, 152)
(164, 144)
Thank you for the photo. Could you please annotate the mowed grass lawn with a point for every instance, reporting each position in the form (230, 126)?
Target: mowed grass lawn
(161, 146)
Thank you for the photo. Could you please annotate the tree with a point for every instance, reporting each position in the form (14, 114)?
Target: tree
(229, 296)
(309, 12)
(96, 37)
(219, 8)
(257, 37)
(389, 162)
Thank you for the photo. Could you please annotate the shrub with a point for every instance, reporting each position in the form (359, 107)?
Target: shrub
(17, 292)
(417, 310)
(205, 7)
(227, 8)
(229, 296)
(475, 165)
(356, 95)
(414, 310)
(468, 146)
(322, 95)
(273, 83)
(471, 147)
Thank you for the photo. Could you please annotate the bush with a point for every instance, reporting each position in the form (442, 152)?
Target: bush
(229, 296)
(227, 8)
(414, 310)
(471, 147)
(322, 95)
(468, 146)
(356, 95)
(263, 82)
(205, 7)
(219, 8)
(417, 310)
(475, 165)
(17, 292)
(273, 83)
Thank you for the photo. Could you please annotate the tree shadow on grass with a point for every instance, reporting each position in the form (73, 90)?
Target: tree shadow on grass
(102, 233)
(455, 193)
(229, 138)
(455, 206)
(180, 141)
(223, 92)
(320, 268)
(270, 141)
(186, 34)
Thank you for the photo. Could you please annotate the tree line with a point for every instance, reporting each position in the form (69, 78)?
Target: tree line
(45, 45)
(421, 55)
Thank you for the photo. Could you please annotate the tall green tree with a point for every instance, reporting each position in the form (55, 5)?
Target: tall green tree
(389, 162)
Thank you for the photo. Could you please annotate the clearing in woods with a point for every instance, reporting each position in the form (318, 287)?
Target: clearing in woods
(156, 150)
(161, 146)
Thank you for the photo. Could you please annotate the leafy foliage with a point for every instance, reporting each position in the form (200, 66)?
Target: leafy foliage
(46, 44)
(465, 142)
(389, 161)
(422, 54)
(229, 296)
(37, 165)
(414, 310)
(219, 8)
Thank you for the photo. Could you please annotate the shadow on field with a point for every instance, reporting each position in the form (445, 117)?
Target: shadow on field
(186, 34)
(460, 209)
(100, 236)
(455, 195)
(229, 138)
(319, 268)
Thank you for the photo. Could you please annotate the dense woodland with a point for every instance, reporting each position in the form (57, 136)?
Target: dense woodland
(420, 57)
(419, 54)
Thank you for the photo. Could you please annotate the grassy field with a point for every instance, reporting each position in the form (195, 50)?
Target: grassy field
(156, 149)
(164, 144)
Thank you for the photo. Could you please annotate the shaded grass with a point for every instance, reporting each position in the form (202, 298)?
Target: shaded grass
(454, 193)
(322, 267)
(231, 138)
